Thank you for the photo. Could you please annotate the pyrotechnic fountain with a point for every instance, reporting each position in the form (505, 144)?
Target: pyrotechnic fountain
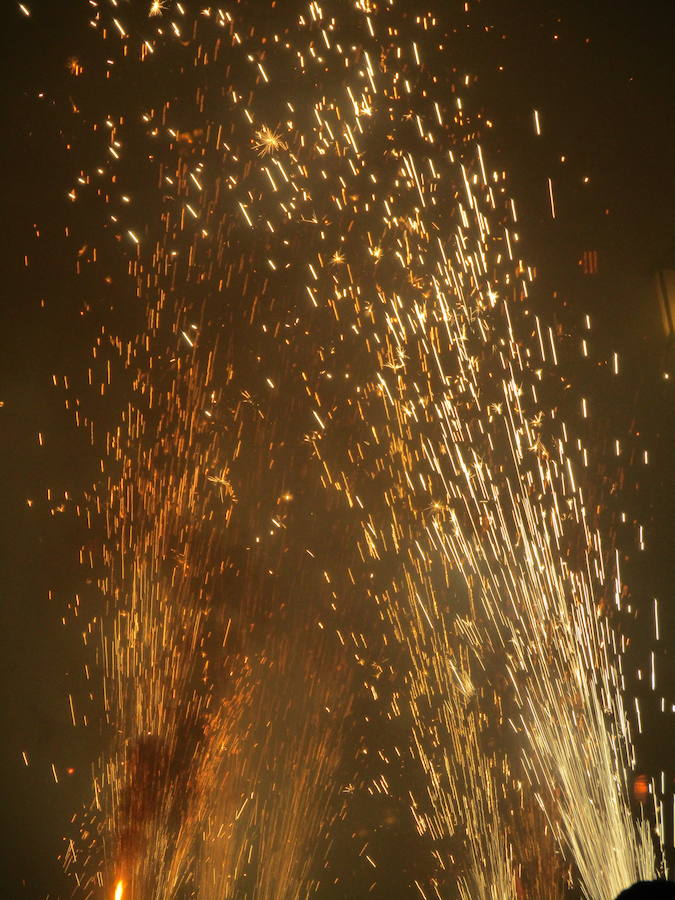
(339, 326)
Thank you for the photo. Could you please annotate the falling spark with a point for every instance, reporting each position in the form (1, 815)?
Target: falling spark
(550, 197)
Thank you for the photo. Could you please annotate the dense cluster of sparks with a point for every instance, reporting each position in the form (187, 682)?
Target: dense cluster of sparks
(339, 431)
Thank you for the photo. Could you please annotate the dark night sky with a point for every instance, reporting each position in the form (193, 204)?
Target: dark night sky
(604, 88)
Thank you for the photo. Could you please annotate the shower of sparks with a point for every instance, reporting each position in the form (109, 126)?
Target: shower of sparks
(341, 390)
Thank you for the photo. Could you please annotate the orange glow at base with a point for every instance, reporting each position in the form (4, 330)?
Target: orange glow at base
(119, 890)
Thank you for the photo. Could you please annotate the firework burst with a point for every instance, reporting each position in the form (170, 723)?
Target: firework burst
(340, 330)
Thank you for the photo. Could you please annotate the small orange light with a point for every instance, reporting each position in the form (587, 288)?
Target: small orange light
(641, 788)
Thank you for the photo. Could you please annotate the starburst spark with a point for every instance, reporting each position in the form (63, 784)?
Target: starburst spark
(268, 141)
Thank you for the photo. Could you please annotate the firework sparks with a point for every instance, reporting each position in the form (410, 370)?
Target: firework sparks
(157, 7)
(383, 358)
(268, 141)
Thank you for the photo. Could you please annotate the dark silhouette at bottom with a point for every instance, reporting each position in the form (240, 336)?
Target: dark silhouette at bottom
(649, 890)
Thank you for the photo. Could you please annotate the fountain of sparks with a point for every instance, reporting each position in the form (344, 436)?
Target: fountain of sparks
(337, 235)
